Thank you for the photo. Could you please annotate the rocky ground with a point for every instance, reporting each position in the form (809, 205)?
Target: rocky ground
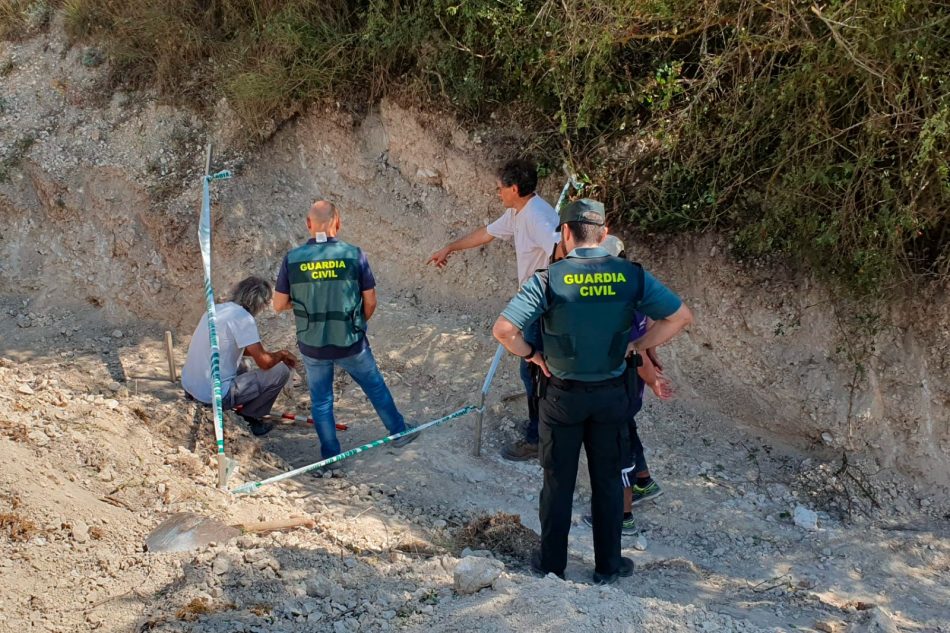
(99, 447)
(97, 196)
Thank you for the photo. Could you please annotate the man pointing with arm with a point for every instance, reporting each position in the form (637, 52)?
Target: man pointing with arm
(530, 222)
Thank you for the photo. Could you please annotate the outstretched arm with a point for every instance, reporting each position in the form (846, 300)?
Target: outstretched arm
(476, 238)
(266, 360)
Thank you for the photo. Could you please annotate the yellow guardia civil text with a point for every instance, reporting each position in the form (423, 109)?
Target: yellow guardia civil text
(595, 284)
(324, 269)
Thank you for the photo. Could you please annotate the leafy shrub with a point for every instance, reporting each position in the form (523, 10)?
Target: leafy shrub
(818, 133)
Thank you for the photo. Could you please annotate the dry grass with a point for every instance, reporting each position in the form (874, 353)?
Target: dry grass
(19, 18)
(416, 547)
(194, 609)
(17, 528)
(500, 533)
(16, 432)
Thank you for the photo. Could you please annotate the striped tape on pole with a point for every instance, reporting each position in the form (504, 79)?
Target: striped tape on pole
(204, 239)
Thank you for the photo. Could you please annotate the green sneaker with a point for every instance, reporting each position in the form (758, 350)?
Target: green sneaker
(627, 526)
(650, 491)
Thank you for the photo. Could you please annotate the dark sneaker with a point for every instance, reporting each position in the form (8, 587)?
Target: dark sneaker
(336, 469)
(625, 571)
(650, 491)
(627, 526)
(259, 428)
(520, 451)
(536, 566)
(406, 439)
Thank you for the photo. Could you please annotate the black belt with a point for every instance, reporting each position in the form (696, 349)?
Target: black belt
(583, 385)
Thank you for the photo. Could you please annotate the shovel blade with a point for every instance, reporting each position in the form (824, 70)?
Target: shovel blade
(186, 531)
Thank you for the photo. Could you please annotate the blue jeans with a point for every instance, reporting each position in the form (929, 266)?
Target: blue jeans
(362, 368)
(532, 335)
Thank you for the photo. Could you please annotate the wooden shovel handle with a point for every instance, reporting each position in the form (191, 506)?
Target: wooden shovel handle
(273, 526)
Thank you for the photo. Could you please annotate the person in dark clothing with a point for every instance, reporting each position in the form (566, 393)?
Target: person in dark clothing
(586, 304)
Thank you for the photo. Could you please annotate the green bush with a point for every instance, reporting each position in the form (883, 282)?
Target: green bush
(814, 133)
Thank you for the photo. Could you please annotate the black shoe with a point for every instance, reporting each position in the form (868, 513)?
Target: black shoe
(259, 428)
(536, 566)
(405, 440)
(625, 571)
(336, 469)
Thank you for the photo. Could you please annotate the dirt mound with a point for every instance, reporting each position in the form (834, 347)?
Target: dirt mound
(500, 533)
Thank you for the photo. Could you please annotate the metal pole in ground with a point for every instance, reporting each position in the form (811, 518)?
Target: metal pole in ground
(477, 447)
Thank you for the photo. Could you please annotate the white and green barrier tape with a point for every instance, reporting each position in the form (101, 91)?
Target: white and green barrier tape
(204, 239)
(253, 486)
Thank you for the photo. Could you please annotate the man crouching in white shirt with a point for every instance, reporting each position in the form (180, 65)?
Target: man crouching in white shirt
(255, 391)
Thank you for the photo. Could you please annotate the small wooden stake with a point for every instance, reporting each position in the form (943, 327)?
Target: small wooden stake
(172, 374)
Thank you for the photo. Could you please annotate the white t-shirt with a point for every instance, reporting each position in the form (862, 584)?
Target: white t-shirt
(236, 330)
(534, 229)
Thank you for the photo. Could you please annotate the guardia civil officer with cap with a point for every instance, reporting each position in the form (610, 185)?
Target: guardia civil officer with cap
(586, 304)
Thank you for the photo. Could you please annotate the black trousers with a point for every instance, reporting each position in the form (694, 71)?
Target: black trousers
(594, 415)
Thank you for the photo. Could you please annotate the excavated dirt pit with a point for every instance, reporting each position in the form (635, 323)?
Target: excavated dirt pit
(99, 447)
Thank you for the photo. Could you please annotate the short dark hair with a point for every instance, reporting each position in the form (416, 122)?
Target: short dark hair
(253, 294)
(521, 172)
(584, 232)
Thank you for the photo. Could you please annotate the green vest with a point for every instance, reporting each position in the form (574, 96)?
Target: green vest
(325, 293)
(587, 325)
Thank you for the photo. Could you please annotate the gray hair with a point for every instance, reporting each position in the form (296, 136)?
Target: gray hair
(253, 294)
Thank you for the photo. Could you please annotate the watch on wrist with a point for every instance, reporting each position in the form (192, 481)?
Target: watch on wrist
(531, 353)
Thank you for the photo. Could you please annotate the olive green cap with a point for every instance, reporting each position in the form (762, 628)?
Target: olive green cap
(585, 210)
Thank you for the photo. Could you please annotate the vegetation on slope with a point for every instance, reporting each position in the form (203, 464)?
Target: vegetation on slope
(814, 131)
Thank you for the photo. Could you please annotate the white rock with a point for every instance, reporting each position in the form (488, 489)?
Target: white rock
(38, 437)
(805, 518)
(111, 404)
(80, 531)
(482, 553)
(474, 573)
(116, 333)
(877, 620)
(640, 544)
(115, 386)
(319, 587)
(429, 176)
(25, 389)
(221, 565)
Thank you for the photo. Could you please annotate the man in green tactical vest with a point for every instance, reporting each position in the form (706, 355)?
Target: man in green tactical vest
(586, 304)
(331, 289)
